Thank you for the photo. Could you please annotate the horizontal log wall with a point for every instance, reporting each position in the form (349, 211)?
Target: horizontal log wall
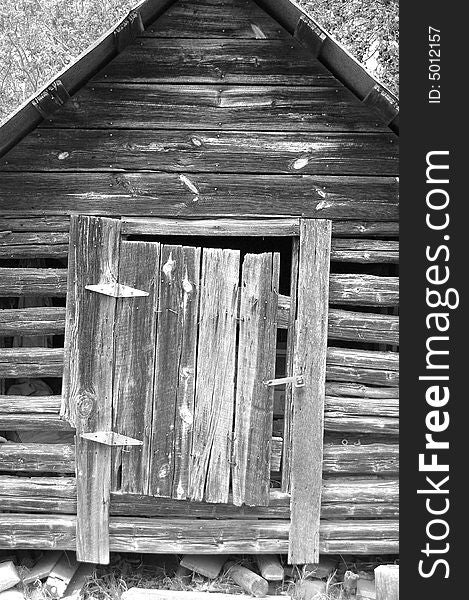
(197, 536)
(60, 458)
(341, 498)
(370, 367)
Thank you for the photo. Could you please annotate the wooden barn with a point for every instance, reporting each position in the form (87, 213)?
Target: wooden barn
(198, 282)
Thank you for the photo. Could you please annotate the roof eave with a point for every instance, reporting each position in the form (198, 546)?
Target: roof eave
(336, 58)
(28, 116)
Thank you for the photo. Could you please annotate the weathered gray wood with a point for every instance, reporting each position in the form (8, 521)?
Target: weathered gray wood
(199, 150)
(343, 325)
(355, 490)
(8, 575)
(206, 565)
(257, 340)
(152, 594)
(174, 387)
(308, 401)
(378, 229)
(88, 374)
(211, 227)
(279, 508)
(230, 61)
(38, 321)
(235, 18)
(31, 251)
(367, 366)
(32, 282)
(39, 487)
(53, 458)
(351, 325)
(387, 582)
(361, 459)
(22, 224)
(33, 422)
(336, 421)
(342, 497)
(271, 108)
(250, 582)
(270, 567)
(352, 459)
(33, 244)
(372, 359)
(357, 390)
(364, 290)
(384, 407)
(364, 251)
(275, 227)
(196, 536)
(43, 567)
(134, 361)
(276, 454)
(77, 584)
(363, 327)
(61, 575)
(214, 400)
(290, 324)
(198, 195)
(14, 405)
(31, 362)
(353, 289)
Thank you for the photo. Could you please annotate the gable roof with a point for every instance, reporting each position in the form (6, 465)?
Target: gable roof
(288, 13)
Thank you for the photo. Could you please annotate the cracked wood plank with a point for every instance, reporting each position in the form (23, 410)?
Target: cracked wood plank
(230, 61)
(204, 151)
(134, 358)
(173, 396)
(191, 106)
(212, 195)
(214, 401)
(256, 364)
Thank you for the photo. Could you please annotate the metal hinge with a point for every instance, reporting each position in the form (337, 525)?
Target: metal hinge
(116, 290)
(110, 438)
(297, 380)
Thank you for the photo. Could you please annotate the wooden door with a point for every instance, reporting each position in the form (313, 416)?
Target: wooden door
(168, 351)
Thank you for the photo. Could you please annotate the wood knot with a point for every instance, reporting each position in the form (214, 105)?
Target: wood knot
(85, 405)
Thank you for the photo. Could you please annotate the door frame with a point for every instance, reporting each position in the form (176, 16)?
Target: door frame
(87, 403)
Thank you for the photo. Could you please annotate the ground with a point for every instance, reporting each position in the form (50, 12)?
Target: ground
(159, 571)
(38, 38)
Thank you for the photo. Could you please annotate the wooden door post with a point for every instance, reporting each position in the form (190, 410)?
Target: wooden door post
(88, 374)
(308, 400)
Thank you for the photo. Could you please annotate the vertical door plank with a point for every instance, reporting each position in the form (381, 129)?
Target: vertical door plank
(173, 399)
(214, 402)
(88, 375)
(134, 363)
(308, 401)
(287, 435)
(256, 364)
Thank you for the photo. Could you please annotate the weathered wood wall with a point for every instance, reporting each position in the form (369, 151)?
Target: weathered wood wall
(213, 112)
